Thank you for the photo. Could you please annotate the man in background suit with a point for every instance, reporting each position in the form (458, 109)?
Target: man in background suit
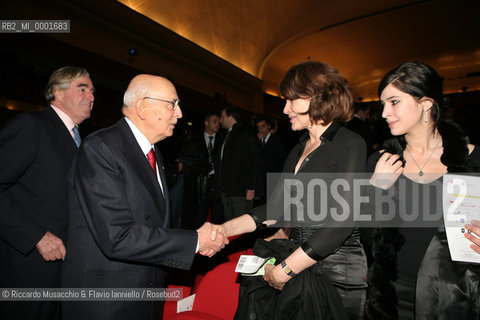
(36, 150)
(198, 158)
(119, 235)
(240, 165)
(273, 151)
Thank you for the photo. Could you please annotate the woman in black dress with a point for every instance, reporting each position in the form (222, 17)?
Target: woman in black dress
(329, 261)
(412, 275)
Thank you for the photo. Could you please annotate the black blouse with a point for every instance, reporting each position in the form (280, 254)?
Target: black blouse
(341, 150)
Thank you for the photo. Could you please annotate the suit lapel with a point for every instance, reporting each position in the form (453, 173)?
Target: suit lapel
(269, 142)
(142, 167)
(62, 136)
(229, 138)
(203, 145)
(163, 179)
(218, 142)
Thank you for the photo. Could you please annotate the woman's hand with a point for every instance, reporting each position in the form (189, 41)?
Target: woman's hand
(387, 171)
(275, 276)
(473, 227)
(236, 226)
(219, 229)
(297, 262)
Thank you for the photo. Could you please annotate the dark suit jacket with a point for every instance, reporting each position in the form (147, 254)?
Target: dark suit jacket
(36, 150)
(241, 167)
(194, 154)
(194, 157)
(200, 187)
(118, 232)
(274, 154)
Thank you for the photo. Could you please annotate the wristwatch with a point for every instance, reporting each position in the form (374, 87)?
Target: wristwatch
(287, 269)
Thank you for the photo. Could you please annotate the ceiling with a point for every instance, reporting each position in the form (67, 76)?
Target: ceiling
(362, 39)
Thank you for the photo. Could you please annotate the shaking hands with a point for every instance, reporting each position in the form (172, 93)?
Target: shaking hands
(212, 239)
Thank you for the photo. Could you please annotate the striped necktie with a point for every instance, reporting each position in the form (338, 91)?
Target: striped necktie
(210, 151)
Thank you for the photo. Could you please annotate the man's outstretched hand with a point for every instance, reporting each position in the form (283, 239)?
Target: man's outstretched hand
(211, 239)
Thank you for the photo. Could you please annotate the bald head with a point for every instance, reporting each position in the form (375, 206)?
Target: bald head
(155, 116)
(145, 85)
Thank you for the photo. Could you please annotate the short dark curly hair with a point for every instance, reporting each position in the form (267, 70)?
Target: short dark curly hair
(330, 94)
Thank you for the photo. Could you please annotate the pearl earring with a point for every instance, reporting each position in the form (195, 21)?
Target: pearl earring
(426, 117)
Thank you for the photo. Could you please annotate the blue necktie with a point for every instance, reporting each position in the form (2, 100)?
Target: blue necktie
(76, 136)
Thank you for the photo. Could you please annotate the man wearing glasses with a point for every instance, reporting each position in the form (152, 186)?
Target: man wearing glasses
(119, 235)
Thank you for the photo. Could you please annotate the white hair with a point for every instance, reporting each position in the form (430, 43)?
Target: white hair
(136, 90)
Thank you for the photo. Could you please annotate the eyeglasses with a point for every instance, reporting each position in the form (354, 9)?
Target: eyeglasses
(175, 102)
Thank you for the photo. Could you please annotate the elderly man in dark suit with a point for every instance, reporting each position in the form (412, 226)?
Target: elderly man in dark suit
(36, 150)
(119, 235)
